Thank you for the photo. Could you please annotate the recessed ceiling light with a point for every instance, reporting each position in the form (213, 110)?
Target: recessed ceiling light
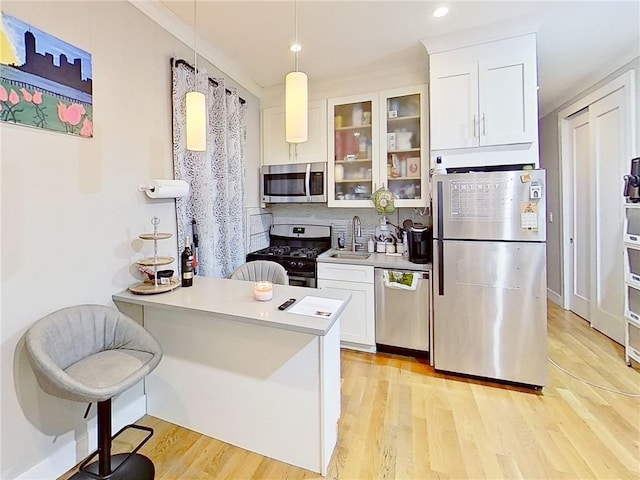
(440, 12)
(296, 47)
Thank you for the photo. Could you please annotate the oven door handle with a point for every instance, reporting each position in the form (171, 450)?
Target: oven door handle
(307, 182)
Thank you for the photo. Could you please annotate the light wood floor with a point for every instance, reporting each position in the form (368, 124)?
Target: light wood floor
(402, 420)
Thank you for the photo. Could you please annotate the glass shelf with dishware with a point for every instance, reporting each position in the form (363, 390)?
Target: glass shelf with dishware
(353, 143)
(403, 107)
(404, 174)
(352, 116)
(353, 190)
(402, 120)
(405, 145)
(378, 139)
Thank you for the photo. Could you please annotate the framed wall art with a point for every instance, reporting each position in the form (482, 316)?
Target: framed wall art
(45, 82)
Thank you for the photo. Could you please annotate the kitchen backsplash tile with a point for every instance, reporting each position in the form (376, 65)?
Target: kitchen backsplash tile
(340, 218)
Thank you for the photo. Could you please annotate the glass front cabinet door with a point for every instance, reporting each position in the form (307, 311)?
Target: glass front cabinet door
(404, 146)
(353, 149)
(375, 140)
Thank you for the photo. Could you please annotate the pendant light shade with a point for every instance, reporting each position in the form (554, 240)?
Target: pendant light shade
(296, 107)
(196, 118)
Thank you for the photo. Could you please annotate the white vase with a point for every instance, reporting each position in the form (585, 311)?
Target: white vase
(356, 116)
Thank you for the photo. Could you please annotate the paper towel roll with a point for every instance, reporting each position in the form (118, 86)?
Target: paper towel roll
(167, 188)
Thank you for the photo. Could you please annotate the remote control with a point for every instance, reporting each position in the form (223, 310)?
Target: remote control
(286, 304)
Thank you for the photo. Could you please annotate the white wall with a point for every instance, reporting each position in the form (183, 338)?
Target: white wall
(550, 159)
(70, 209)
(323, 88)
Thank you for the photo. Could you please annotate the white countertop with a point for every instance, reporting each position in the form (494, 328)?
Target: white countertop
(379, 260)
(233, 300)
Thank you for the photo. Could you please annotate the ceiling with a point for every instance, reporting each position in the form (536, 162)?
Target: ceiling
(576, 39)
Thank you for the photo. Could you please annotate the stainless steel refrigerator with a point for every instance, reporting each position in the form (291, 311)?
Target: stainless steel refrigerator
(489, 263)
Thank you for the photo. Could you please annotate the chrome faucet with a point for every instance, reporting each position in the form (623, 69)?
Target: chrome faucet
(356, 231)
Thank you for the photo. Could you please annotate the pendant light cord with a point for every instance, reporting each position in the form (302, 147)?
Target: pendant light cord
(295, 17)
(195, 46)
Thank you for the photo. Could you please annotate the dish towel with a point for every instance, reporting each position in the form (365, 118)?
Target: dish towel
(401, 280)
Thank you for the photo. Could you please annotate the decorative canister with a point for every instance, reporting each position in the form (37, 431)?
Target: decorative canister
(356, 118)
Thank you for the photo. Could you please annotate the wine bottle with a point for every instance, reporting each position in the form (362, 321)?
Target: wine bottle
(187, 263)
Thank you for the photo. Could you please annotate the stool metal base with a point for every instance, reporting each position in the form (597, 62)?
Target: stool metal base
(137, 467)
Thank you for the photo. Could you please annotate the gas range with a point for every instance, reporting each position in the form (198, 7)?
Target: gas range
(288, 251)
(296, 248)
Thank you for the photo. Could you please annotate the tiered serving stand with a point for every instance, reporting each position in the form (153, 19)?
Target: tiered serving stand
(155, 285)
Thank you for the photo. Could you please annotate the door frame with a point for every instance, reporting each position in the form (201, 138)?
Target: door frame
(626, 82)
(571, 217)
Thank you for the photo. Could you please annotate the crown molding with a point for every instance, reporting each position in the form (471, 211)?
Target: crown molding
(161, 15)
(606, 69)
(483, 34)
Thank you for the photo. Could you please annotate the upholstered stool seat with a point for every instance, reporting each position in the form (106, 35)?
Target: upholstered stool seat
(91, 353)
(262, 270)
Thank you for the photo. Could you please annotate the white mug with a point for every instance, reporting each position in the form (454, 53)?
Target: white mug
(381, 247)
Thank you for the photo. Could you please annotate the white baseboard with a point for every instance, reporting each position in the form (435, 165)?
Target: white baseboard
(359, 347)
(65, 458)
(555, 298)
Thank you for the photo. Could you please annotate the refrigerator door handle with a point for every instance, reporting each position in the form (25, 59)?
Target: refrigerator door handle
(440, 267)
(440, 235)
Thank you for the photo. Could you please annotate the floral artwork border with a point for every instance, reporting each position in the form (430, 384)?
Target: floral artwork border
(45, 82)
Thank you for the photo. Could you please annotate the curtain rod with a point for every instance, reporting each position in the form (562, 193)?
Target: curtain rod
(179, 61)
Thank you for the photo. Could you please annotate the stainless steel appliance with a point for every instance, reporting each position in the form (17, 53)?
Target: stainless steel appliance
(294, 183)
(490, 310)
(296, 248)
(420, 238)
(632, 182)
(402, 315)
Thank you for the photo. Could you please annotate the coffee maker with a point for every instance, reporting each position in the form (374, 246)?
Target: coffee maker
(420, 239)
(632, 182)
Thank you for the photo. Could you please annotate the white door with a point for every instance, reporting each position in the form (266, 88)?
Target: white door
(597, 127)
(577, 145)
(611, 160)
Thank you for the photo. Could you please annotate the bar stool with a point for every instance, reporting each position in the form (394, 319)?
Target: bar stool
(261, 270)
(91, 353)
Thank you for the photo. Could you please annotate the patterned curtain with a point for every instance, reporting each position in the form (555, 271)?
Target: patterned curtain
(216, 176)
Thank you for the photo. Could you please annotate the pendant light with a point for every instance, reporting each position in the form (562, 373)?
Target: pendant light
(196, 106)
(296, 97)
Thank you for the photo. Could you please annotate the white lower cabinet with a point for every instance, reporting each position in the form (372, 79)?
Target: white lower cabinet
(357, 323)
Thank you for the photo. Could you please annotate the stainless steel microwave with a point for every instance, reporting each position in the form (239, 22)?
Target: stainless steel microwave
(294, 183)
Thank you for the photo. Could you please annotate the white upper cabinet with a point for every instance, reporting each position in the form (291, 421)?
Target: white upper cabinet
(353, 169)
(485, 95)
(276, 150)
(404, 147)
(375, 140)
(454, 106)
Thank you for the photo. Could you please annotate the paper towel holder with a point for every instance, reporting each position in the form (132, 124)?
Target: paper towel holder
(159, 188)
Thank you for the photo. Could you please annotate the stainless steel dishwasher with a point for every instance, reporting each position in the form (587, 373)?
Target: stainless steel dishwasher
(403, 313)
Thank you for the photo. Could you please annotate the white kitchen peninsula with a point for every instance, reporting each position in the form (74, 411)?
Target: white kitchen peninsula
(244, 372)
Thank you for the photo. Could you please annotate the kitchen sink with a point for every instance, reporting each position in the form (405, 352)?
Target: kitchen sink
(351, 255)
